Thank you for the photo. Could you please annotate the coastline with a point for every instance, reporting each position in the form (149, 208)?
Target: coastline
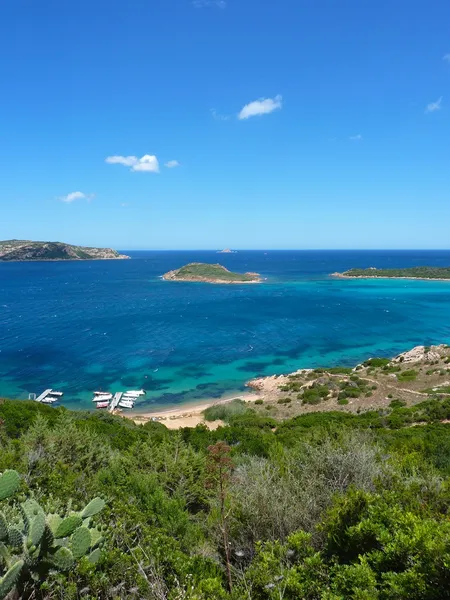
(188, 415)
(342, 276)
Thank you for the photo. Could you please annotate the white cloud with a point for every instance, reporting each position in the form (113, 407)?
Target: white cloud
(356, 138)
(218, 116)
(434, 106)
(148, 163)
(446, 57)
(205, 3)
(171, 164)
(76, 196)
(263, 106)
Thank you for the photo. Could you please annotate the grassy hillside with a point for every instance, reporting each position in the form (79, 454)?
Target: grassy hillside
(414, 272)
(329, 506)
(208, 272)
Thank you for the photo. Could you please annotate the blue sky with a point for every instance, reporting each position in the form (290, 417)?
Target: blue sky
(288, 124)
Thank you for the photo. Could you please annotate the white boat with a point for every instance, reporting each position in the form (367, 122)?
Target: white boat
(59, 394)
(102, 404)
(100, 393)
(49, 400)
(102, 398)
(135, 393)
(126, 404)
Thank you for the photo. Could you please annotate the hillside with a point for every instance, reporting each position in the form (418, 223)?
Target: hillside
(207, 273)
(324, 506)
(408, 273)
(25, 250)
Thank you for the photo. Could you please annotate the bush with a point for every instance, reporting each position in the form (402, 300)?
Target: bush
(377, 362)
(410, 375)
(259, 401)
(225, 412)
(342, 401)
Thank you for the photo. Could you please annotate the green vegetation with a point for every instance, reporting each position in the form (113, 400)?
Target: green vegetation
(410, 375)
(324, 506)
(209, 273)
(23, 250)
(412, 272)
(226, 412)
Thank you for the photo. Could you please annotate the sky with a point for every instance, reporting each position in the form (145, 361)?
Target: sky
(201, 124)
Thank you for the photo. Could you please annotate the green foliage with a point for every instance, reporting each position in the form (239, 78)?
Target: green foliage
(410, 375)
(31, 550)
(377, 362)
(9, 484)
(411, 272)
(226, 412)
(324, 506)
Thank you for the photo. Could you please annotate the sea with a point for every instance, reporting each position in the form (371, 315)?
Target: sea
(84, 326)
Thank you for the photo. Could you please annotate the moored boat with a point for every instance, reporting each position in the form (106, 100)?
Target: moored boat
(126, 404)
(102, 398)
(102, 404)
(135, 393)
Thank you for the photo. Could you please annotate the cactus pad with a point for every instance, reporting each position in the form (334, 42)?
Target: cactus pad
(10, 578)
(93, 508)
(94, 556)
(37, 529)
(81, 542)
(68, 526)
(15, 537)
(9, 484)
(53, 521)
(3, 527)
(96, 537)
(63, 559)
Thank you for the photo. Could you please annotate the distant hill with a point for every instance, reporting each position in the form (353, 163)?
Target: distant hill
(407, 273)
(25, 250)
(207, 273)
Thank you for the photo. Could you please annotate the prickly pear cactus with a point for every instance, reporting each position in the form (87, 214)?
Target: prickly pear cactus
(94, 507)
(9, 484)
(33, 542)
(68, 526)
(10, 578)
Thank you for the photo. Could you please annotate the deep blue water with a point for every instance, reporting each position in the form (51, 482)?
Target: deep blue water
(116, 325)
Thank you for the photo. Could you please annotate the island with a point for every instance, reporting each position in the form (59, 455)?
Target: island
(25, 250)
(207, 273)
(226, 251)
(437, 273)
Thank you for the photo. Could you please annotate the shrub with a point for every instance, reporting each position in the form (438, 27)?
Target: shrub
(410, 375)
(225, 412)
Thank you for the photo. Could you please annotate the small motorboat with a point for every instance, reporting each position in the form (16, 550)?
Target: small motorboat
(100, 393)
(102, 398)
(135, 393)
(59, 394)
(102, 404)
(126, 404)
(49, 400)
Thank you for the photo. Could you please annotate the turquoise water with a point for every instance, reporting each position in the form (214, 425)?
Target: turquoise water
(115, 325)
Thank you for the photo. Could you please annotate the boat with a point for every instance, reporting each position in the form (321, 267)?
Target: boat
(135, 393)
(100, 393)
(49, 400)
(102, 398)
(126, 403)
(59, 394)
(102, 404)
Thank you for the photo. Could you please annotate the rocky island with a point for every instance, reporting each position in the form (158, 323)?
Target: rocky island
(438, 273)
(25, 250)
(207, 273)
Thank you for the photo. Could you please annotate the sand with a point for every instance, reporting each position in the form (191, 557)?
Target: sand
(187, 415)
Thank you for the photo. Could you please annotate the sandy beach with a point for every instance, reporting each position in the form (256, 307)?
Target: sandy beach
(188, 415)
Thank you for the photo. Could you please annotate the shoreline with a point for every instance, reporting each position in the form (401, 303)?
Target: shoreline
(188, 415)
(342, 276)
